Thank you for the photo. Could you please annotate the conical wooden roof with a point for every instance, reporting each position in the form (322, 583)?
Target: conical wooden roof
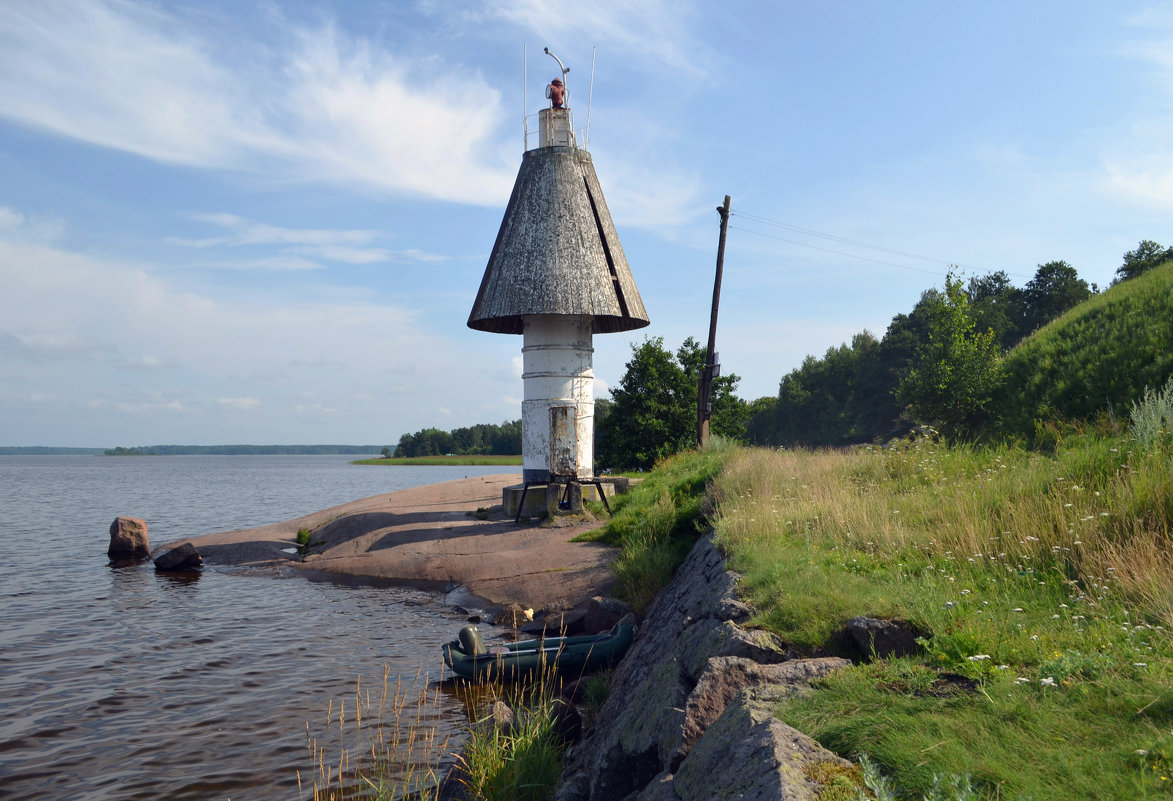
(557, 251)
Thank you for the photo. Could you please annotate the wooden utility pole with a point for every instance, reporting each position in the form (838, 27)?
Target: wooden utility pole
(704, 402)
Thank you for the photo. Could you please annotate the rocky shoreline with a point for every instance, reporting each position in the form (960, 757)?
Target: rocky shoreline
(689, 717)
(452, 537)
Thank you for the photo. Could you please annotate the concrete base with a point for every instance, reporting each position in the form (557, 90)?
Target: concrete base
(543, 499)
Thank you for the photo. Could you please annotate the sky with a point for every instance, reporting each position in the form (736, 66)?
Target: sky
(266, 222)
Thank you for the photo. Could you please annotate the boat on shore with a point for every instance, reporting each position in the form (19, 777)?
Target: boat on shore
(469, 658)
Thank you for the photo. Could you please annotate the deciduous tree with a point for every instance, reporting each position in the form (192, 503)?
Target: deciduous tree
(956, 372)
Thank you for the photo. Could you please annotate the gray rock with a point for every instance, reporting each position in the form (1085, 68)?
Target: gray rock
(880, 639)
(567, 720)
(183, 557)
(726, 676)
(603, 613)
(501, 718)
(661, 788)
(557, 624)
(128, 540)
(574, 787)
(749, 755)
(638, 728)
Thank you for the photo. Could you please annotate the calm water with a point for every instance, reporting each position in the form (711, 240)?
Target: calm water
(124, 684)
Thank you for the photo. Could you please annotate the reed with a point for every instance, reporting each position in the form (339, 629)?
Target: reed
(519, 761)
(380, 746)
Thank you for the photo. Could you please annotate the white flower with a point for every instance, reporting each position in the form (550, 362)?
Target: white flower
(1022, 680)
(1048, 682)
(978, 657)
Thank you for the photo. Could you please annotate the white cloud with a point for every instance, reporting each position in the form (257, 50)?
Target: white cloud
(650, 30)
(318, 106)
(240, 403)
(10, 218)
(146, 361)
(304, 245)
(1139, 167)
(168, 362)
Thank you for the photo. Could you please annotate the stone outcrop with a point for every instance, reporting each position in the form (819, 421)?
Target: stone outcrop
(603, 613)
(688, 715)
(880, 639)
(181, 558)
(749, 755)
(128, 540)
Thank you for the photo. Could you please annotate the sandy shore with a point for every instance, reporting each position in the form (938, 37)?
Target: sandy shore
(431, 534)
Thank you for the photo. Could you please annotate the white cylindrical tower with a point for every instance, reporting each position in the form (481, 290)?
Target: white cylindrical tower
(557, 275)
(557, 375)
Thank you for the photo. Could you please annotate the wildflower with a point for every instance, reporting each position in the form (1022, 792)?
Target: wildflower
(965, 592)
(1018, 609)
(978, 657)
(1033, 637)
(950, 604)
(1142, 751)
(1003, 667)
(1021, 680)
(1047, 682)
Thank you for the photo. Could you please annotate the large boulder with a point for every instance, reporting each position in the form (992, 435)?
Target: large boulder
(750, 755)
(877, 638)
(726, 676)
(181, 558)
(603, 613)
(128, 540)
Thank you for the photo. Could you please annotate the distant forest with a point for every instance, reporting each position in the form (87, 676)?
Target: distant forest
(483, 438)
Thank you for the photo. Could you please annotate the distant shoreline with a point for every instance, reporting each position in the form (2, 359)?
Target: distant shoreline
(194, 450)
(453, 459)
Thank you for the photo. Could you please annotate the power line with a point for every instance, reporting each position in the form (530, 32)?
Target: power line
(836, 252)
(853, 242)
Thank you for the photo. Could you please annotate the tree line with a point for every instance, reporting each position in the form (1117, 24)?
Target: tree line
(483, 438)
(939, 365)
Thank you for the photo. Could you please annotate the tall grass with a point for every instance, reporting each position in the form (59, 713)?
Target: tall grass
(1043, 585)
(383, 746)
(521, 760)
(656, 522)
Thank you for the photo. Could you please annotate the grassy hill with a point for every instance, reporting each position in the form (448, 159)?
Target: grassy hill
(1096, 359)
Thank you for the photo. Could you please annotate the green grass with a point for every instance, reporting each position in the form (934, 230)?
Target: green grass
(1095, 359)
(656, 522)
(1043, 584)
(478, 459)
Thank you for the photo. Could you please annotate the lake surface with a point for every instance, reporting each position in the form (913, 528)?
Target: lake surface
(120, 683)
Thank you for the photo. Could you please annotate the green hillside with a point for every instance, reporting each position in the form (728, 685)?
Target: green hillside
(1097, 358)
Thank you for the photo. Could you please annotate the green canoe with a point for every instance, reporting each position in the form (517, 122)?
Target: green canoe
(468, 657)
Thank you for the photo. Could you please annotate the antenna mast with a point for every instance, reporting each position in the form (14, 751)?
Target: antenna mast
(590, 98)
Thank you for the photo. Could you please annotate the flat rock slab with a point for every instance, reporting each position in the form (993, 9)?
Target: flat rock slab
(432, 534)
